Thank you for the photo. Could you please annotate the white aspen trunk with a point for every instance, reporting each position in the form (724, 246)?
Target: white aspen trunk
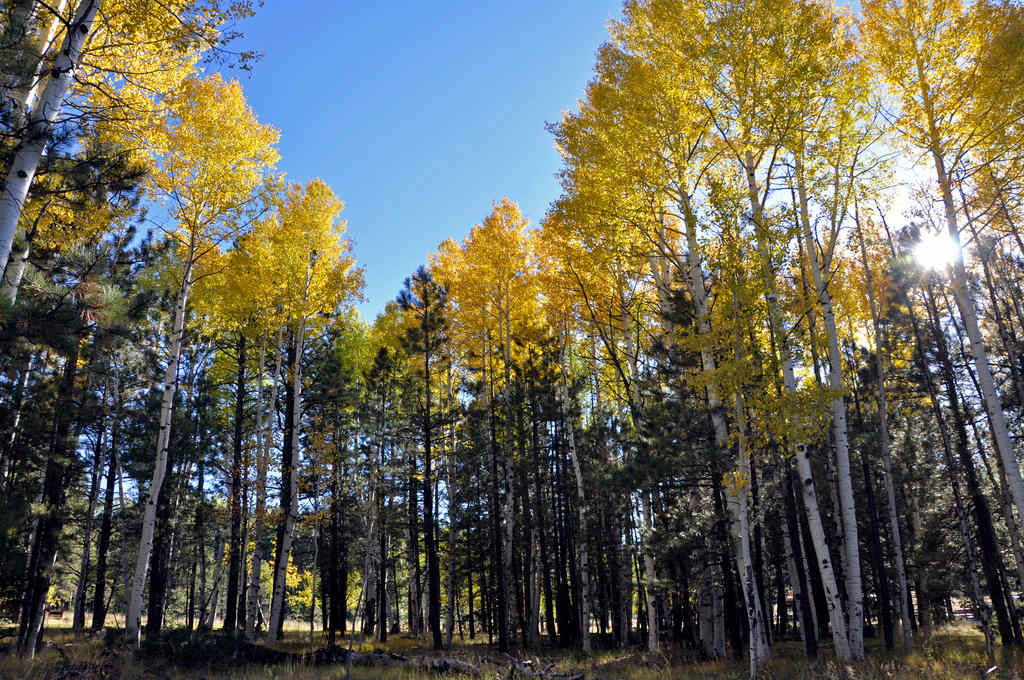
(706, 628)
(647, 516)
(450, 614)
(810, 496)
(582, 554)
(277, 602)
(23, 166)
(737, 494)
(506, 507)
(133, 616)
(650, 575)
(210, 616)
(14, 273)
(452, 506)
(264, 424)
(739, 502)
(851, 545)
(883, 426)
(718, 608)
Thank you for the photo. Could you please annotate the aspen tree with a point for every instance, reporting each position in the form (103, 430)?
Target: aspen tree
(316, 274)
(209, 165)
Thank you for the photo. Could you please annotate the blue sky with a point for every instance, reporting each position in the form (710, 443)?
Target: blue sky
(419, 114)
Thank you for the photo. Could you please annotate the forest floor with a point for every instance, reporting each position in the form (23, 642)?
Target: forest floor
(949, 652)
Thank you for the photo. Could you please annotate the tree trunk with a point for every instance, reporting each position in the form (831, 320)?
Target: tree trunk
(78, 623)
(801, 583)
(854, 589)
(810, 496)
(739, 502)
(99, 605)
(413, 547)
(883, 427)
(582, 554)
(737, 498)
(452, 508)
(133, 616)
(291, 516)
(46, 540)
(433, 565)
(264, 425)
(497, 537)
(235, 559)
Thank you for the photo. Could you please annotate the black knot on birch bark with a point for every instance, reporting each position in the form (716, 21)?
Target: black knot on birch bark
(83, 29)
(22, 174)
(55, 73)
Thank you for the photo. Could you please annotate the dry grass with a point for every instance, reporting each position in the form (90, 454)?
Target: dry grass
(949, 653)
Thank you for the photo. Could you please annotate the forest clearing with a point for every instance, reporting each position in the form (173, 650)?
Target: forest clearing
(744, 399)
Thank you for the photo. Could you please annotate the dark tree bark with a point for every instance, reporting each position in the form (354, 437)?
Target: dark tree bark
(159, 563)
(99, 604)
(991, 561)
(56, 476)
(235, 495)
(286, 472)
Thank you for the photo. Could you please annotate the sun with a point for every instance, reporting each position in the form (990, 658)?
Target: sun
(936, 251)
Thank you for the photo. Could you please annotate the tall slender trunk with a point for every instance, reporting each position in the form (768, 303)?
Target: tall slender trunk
(739, 501)
(801, 583)
(264, 442)
(17, 407)
(854, 589)
(883, 429)
(498, 549)
(810, 497)
(507, 516)
(415, 607)
(582, 553)
(433, 566)
(292, 511)
(133, 616)
(78, 622)
(46, 540)
(738, 498)
(452, 508)
(99, 605)
(236, 567)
